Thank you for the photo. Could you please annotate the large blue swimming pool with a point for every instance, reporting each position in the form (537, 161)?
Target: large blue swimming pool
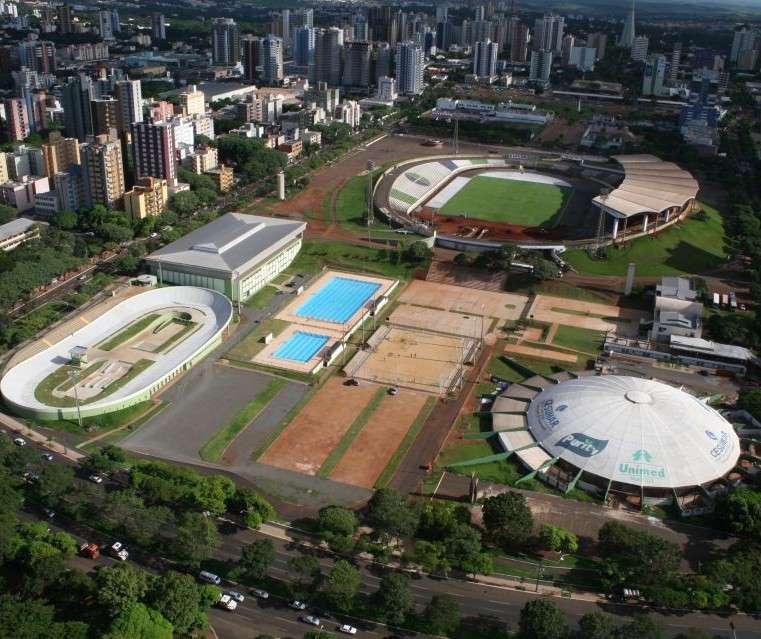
(338, 300)
(300, 346)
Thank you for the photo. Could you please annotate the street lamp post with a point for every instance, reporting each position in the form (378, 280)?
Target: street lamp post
(539, 571)
(482, 325)
(73, 377)
(237, 296)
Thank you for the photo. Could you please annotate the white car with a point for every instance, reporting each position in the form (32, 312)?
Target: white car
(258, 592)
(226, 602)
(236, 595)
(297, 605)
(95, 479)
(19, 441)
(311, 619)
(346, 628)
(119, 551)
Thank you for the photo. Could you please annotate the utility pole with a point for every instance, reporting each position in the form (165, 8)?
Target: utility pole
(73, 377)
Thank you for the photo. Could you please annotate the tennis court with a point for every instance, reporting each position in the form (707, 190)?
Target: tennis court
(338, 300)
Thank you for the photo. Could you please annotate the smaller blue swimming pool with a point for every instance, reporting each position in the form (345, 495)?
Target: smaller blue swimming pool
(301, 347)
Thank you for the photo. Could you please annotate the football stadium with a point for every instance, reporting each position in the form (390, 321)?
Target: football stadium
(537, 198)
(620, 438)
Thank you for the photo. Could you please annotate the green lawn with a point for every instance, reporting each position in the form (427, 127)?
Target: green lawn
(579, 339)
(509, 201)
(129, 332)
(319, 253)
(696, 247)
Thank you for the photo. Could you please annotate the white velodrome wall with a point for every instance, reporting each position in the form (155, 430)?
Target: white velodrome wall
(18, 385)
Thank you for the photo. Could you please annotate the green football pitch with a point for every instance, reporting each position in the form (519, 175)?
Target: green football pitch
(508, 201)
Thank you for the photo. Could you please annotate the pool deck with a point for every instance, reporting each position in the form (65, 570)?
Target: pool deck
(334, 331)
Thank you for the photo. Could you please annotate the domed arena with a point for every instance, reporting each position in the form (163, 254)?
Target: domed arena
(615, 434)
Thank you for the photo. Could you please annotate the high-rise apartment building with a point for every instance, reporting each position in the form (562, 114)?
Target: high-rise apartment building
(357, 58)
(76, 96)
(409, 68)
(519, 44)
(130, 96)
(70, 186)
(328, 56)
(548, 33)
(105, 26)
(485, 59)
(225, 42)
(251, 57)
(295, 19)
(66, 19)
(103, 172)
(17, 119)
(639, 48)
(272, 61)
(147, 198)
(599, 41)
(158, 26)
(105, 116)
(655, 74)
(673, 69)
(444, 35)
(154, 151)
(745, 45)
(37, 55)
(193, 101)
(541, 66)
(59, 153)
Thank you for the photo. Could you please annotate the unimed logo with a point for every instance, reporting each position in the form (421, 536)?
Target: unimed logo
(641, 466)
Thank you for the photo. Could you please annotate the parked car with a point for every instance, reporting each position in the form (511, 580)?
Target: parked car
(346, 628)
(19, 441)
(46, 457)
(258, 592)
(226, 602)
(236, 595)
(311, 619)
(297, 605)
(351, 382)
(95, 479)
(119, 551)
(394, 390)
(48, 512)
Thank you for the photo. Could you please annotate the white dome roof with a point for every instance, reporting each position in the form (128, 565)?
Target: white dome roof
(635, 431)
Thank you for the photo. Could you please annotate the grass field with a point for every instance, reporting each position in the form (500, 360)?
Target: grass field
(508, 201)
(696, 247)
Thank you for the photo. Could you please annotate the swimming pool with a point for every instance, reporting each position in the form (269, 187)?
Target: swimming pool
(338, 300)
(300, 346)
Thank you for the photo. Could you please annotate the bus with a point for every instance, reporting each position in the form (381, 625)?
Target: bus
(725, 300)
(732, 301)
(716, 299)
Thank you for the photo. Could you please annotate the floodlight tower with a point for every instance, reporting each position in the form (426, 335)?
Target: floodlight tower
(600, 237)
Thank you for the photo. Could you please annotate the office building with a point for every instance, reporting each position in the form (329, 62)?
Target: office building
(409, 68)
(655, 75)
(251, 57)
(357, 59)
(158, 30)
(444, 35)
(154, 151)
(225, 42)
(103, 172)
(629, 33)
(272, 61)
(76, 96)
(59, 153)
(485, 60)
(639, 48)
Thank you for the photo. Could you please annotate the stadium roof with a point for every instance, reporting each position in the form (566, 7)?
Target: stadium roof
(634, 431)
(232, 242)
(650, 186)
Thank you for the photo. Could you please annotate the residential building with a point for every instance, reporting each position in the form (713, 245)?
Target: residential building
(130, 97)
(225, 42)
(383, 66)
(158, 26)
(744, 51)
(153, 145)
(70, 187)
(76, 96)
(485, 60)
(105, 26)
(639, 48)
(673, 68)
(204, 159)
(349, 112)
(387, 89)
(409, 68)
(47, 205)
(328, 56)
(19, 194)
(192, 101)
(541, 66)
(303, 48)
(159, 111)
(251, 57)
(520, 39)
(17, 119)
(37, 55)
(583, 58)
(103, 172)
(66, 19)
(444, 35)
(272, 61)
(548, 33)
(599, 41)
(357, 64)
(106, 115)
(59, 153)
(148, 198)
(223, 177)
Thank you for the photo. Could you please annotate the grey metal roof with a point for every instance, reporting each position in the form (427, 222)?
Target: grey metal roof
(14, 227)
(707, 347)
(232, 242)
